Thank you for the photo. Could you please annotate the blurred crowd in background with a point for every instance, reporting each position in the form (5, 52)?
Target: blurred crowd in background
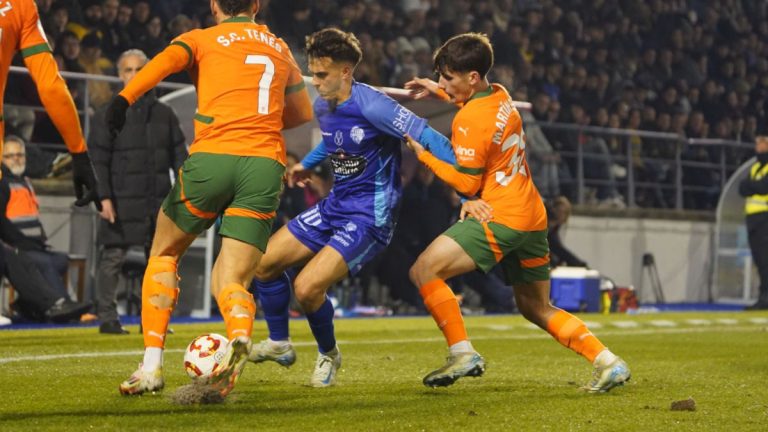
(694, 68)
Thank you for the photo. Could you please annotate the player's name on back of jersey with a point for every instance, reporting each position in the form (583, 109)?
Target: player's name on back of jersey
(249, 34)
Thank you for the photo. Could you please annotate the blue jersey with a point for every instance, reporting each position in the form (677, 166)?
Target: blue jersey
(362, 138)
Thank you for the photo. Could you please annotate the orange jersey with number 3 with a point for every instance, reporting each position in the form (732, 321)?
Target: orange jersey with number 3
(242, 73)
(489, 142)
(20, 30)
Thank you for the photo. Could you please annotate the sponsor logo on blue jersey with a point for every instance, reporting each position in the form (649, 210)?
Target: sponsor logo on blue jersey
(338, 138)
(357, 134)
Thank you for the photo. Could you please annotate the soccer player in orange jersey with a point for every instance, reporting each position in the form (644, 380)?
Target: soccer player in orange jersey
(248, 89)
(20, 30)
(507, 225)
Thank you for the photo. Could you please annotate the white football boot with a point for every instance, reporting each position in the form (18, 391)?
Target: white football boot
(326, 367)
(607, 377)
(142, 382)
(457, 365)
(265, 351)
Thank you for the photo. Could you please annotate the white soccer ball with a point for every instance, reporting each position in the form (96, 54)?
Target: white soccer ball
(204, 354)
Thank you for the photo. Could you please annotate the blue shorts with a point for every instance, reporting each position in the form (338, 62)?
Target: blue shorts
(357, 241)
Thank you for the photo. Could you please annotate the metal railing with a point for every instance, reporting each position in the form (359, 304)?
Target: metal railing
(629, 157)
(85, 119)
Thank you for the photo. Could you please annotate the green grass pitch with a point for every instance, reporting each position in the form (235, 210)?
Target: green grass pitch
(66, 379)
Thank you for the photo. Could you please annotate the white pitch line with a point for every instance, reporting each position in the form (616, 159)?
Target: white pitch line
(727, 321)
(759, 320)
(436, 339)
(663, 323)
(698, 321)
(625, 324)
(593, 324)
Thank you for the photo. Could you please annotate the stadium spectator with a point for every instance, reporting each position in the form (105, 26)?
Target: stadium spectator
(91, 22)
(94, 63)
(486, 118)
(755, 189)
(154, 39)
(55, 21)
(112, 40)
(134, 171)
(22, 230)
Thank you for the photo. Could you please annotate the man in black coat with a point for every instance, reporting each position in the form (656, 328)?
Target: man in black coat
(136, 169)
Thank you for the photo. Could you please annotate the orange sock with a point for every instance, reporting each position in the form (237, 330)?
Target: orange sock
(238, 323)
(442, 304)
(155, 319)
(572, 333)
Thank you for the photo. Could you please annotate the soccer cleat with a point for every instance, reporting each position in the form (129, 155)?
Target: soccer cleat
(284, 356)
(326, 367)
(225, 375)
(605, 378)
(458, 365)
(142, 382)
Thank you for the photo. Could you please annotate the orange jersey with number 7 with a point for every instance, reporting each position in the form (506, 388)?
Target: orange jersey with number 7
(243, 75)
(20, 30)
(489, 143)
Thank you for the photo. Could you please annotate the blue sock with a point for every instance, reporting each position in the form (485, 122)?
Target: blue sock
(321, 323)
(274, 296)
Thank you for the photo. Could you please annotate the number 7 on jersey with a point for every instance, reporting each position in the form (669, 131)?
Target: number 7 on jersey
(265, 81)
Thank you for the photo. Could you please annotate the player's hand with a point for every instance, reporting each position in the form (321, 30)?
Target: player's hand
(297, 175)
(421, 87)
(115, 115)
(107, 210)
(414, 145)
(476, 208)
(84, 178)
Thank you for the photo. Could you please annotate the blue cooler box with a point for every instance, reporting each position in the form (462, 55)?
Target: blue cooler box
(575, 289)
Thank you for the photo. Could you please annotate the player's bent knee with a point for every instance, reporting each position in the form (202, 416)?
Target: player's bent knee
(266, 273)
(422, 271)
(309, 296)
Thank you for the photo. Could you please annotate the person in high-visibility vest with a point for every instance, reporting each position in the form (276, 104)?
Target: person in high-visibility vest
(755, 190)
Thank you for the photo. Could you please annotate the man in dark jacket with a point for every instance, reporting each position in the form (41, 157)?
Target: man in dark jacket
(135, 168)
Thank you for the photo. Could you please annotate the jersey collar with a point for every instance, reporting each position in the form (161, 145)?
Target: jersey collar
(484, 93)
(238, 18)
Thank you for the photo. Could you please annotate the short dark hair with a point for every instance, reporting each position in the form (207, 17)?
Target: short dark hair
(465, 53)
(339, 46)
(235, 7)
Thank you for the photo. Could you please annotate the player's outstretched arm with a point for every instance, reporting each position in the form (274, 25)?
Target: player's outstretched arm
(466, 181)
(174, 58)
(61, 108)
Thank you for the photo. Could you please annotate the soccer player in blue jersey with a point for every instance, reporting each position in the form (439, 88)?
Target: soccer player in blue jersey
(362, 131)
